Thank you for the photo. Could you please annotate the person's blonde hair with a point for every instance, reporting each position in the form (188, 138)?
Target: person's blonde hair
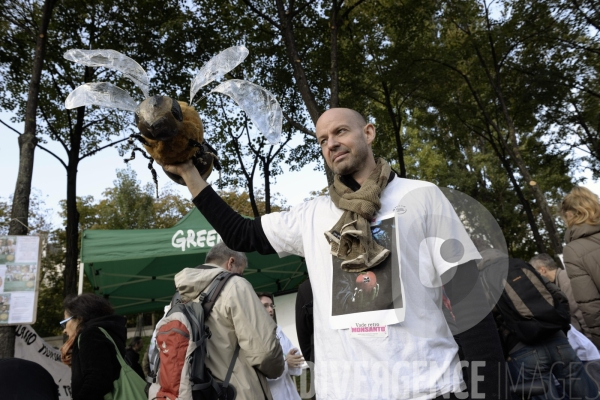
(580, 206)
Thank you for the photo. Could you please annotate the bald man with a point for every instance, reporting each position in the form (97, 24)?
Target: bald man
(380, 331)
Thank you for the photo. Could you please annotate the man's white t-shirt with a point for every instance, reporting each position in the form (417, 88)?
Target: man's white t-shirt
(381, 334)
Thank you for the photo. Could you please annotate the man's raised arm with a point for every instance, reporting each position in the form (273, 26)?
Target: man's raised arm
(238, 233)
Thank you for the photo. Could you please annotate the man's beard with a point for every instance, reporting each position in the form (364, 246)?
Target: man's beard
(354, 162)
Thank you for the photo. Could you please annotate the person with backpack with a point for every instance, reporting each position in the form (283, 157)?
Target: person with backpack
(533, 317)
(216, 337)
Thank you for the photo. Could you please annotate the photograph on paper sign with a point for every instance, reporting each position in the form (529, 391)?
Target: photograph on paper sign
(20, 278)
(7, 249)
(371, 290)
(4, 307)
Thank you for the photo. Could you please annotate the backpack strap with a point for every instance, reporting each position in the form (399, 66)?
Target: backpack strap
(230, 370)
(151, 378)
(208, 302)
(209, 297)
(176, 299)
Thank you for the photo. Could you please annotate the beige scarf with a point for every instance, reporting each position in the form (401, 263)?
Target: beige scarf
(350, 238)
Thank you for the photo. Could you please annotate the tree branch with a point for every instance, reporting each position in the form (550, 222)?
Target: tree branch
(52, 154)
(53, 132)
(585, 16)
(301, 8)
(93, 123)
(261, 14)
(10, 127)
(299, 126)
(352, 7)
(91, 153)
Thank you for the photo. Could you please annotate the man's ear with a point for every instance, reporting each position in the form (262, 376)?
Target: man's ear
(370, 133)
(230, 264)
(542, 270)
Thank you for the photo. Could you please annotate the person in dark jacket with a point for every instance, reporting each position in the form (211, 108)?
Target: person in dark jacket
(16, 376)
(132, 355)
(90, 354)
(548, 357)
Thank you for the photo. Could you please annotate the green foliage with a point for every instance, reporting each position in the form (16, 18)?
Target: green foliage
(39, 215)
(240, 202)
(128, 205)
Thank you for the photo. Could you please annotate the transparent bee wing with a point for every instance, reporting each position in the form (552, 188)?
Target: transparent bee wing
(100, 94)
(218, 66)
(114, 60)
(259, 104)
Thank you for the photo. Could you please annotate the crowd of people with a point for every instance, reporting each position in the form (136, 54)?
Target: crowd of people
(403, 311)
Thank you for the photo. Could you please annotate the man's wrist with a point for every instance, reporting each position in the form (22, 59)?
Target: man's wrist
(193, 180)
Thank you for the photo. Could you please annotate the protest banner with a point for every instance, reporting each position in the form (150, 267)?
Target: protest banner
(29, 346)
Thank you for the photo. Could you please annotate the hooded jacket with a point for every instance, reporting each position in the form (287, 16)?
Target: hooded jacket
(238, 317)
(582, 262)
(95, 366)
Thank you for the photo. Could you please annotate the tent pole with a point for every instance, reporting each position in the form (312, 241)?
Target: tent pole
(80, 289)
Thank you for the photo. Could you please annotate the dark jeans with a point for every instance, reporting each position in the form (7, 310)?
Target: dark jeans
(553, 357)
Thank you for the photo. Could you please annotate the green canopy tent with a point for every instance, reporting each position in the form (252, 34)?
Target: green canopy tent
(134, 269)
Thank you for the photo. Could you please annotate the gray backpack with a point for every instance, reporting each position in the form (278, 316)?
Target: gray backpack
(180, 352)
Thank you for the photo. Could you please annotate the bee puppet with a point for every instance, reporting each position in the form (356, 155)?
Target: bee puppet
(171, 131)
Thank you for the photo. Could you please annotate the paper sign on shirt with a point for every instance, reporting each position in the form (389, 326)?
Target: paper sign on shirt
(367, 302)
(368, 330)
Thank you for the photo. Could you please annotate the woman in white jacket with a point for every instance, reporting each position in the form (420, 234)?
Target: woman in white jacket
(284, 388)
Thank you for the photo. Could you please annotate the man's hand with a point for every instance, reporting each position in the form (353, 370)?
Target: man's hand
(294, 359)
(190, 175)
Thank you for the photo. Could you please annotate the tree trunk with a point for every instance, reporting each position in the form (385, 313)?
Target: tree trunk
(255, 211)
(20, 208)
(267, 174)
(397, 126)
(539, 242)
(27, 143)
(512, 147)
(334, 100)
(515, 153)
(72, 242)
(287, 31)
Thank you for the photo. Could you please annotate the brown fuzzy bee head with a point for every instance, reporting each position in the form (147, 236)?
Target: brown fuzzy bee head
(159, 118)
